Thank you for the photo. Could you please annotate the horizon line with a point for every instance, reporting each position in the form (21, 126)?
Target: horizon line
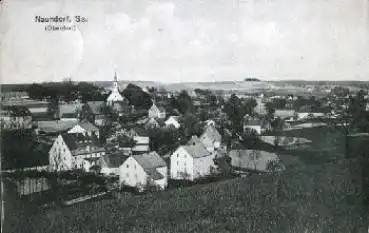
(187, 82)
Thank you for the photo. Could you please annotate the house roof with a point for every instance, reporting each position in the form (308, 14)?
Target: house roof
(114, 160)
(55, 126)
(157, 108)
(212, 133)
(70, 140)
(284, 141)
(79, 144)
(160, 122)
(284, 113)
(88, 126)
(140, 131)
(69, 109)
(196, 148)
(150, 162)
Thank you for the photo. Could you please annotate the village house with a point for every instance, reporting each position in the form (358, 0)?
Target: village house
(141, 138)
(211, 138)
(191, 161)
(15, 117)
(110, 163)
(69, 111)
(53, 127)
(85, 128)
(70, 151)
(144, 170)
(256, 124)
(156, 112)
(254, 160)
(173, 121)
(151, 123)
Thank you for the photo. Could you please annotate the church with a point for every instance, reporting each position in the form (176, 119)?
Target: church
(118, 102)
(115, 96)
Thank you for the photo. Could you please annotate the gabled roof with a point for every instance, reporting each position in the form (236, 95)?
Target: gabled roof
(150, 162)
(70, 140)
(212, 133)
(79, 144)
(154, 107)
(88, 126)
(55, 126)
(114, 160)
(196, 148)
(68, 109)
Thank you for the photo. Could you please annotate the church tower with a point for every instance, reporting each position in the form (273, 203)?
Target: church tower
(115, 96)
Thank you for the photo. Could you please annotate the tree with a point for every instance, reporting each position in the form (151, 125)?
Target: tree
(340, 91)
(277, 129)
(270, 111)
(190, 126)
(184, 103)
(233, 108)
(137, 97)
(90, 92)
(53, 108)
(347, 115)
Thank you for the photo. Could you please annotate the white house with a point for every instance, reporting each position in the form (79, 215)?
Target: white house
(114, 96)
(144, 170)
(191, 161)
(71, 151)
(211, 138)
(110, 163)
(256, 124)
(156, 112)
(173, 120)
(85, 128)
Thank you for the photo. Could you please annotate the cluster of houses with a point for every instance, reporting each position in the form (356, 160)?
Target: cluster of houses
(76, 150)
(75, 143)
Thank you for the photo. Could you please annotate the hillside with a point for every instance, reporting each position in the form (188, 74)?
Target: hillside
(317, 199)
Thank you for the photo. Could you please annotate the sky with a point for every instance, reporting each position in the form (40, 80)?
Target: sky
(186, 40)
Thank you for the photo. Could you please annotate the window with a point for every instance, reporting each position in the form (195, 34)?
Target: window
(177, 163)
(135, 168)
(177, 155)
(127, 166)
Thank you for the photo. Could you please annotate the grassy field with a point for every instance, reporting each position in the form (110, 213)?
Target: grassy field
(322, 195)
(319, 199)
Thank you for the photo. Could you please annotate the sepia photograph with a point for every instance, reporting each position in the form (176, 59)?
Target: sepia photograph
(171, 116)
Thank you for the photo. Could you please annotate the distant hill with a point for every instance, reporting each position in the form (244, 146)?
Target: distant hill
(251, 80)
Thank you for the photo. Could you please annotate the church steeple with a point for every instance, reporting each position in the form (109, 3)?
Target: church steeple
(115, 96)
